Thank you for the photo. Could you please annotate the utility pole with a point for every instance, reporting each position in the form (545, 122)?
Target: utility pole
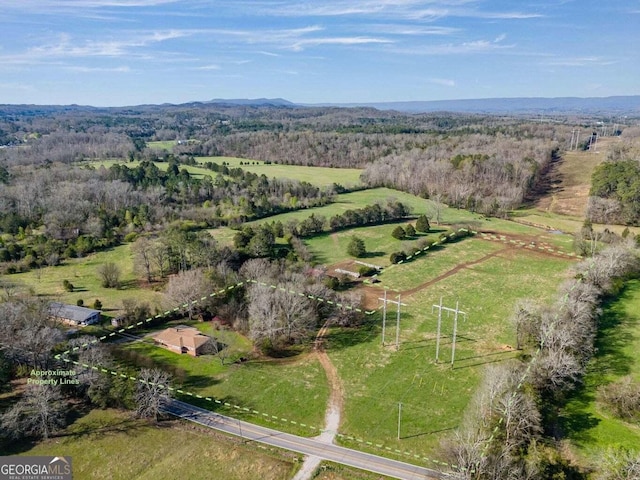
(398, 325)
(384, 318)
(573, 133)
(439, 307)
(577, 139)
(384, 315)
(456, 312)
(595, 147)
(399, 417)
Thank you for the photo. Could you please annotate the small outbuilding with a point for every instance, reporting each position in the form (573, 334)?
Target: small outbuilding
(73, 314)
(183, 339)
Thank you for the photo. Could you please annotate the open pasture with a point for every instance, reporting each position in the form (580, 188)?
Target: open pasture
(320, 176)
(434, 396)
(314, 175)
(83, 274)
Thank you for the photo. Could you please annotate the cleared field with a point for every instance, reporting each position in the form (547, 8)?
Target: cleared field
(330, 248)
(295, 388)
(589, 425)
(110, 445)
(564, 223)
(570, 180)
(162, 145)
(437, 262)
(83, 274)
(196, 172)
(434, 396)
(313, 175)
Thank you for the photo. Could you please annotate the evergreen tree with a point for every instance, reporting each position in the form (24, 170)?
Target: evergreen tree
(356, 247)
(422, 224)
(399, 233)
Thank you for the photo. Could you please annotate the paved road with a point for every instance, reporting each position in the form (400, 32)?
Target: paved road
(306, 446)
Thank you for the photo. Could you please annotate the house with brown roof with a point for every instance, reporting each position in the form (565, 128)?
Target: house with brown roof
(183, 339)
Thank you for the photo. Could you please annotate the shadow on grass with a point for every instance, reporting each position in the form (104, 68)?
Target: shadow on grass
(373, 254)
(575, 421)
(344, 337)
(432, 432)
(614, 334)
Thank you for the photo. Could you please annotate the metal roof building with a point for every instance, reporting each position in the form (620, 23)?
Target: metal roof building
(73, 315)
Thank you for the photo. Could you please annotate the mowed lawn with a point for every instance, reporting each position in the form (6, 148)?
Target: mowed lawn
(590, 425)
(434, 396)
(83, 274)
(108, 444)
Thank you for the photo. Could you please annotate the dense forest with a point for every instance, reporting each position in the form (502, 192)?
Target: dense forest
(615, 184)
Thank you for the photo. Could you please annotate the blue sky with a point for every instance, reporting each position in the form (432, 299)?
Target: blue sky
(128, 52)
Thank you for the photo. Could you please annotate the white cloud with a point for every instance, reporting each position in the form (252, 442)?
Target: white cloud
(312, 42)
(208, 67)
(268, 54)
(411, 29)
(81, 69)
(442, 81)
(579, 62)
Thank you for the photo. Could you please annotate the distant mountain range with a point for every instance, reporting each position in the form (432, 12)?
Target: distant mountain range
(621, 105)
(618, 105)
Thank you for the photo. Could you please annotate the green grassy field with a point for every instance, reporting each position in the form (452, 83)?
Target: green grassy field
(195, 171)
(331, 248)
(110, 445)
(162, 145)
(590, 426)
(295, 388)
(434, 396)
(83, 274)
(313, 175)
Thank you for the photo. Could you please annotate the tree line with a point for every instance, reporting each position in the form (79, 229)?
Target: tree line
(513, 425)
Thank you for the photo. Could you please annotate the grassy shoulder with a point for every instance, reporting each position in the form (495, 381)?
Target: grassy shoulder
(589, 425)
(108, 444)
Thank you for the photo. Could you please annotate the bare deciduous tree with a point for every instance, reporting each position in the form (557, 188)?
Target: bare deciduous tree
(40, 412)
(143, 257)
(28, 334)
(184, 289)
(279, 316)
(152, 392)
(109, 274)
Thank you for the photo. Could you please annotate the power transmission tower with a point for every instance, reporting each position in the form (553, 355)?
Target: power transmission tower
(573, 133)
(456, 311)
(384, 318)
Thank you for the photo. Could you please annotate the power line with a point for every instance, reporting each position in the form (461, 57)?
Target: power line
(456, 312)
(384, 318)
